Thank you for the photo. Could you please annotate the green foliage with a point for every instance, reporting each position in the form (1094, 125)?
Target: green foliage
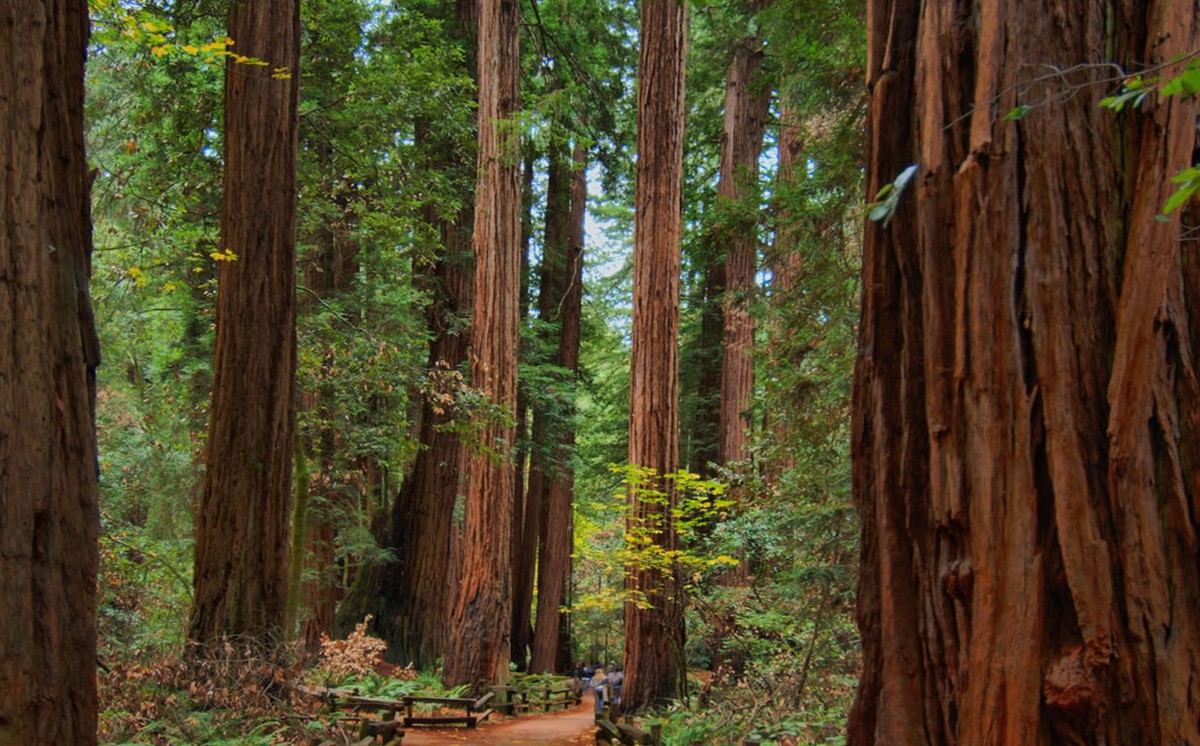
(1189, 186)
(888, 198)
(1133, 93)
(231, 702)
(697, 504)
(144, 593)
(1016, 113)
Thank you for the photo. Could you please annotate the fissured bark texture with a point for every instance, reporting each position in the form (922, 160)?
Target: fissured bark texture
(242, 538)
(654, 634)
(48, 351)
(1025, 396)
(477, 650)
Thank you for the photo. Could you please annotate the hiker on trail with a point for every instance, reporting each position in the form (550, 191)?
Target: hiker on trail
(599, 685)
(616, 678)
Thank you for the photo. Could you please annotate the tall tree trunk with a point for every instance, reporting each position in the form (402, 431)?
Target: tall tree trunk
(242, 545)
(541, 464)
(570, 343)
(706, 357)
(747, 102)
(409, 598)
(654, 632)
(49, 519)
(785, 264)
(478, 649)
(554, 561)
(523, 547)
(1025, 426)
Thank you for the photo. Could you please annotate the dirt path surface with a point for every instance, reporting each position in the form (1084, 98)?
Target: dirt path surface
(574, 727)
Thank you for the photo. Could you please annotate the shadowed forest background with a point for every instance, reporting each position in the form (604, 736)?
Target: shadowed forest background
(425, 348)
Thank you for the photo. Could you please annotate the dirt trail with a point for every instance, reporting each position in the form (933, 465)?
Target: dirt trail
(574, 727)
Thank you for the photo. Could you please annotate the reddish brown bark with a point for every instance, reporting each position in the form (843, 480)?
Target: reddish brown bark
(318, 593)
(654, 635)
(542, 464)
(48, 353)
(747, 102)
(551, 651)
(242, 547)
(527, 493)
(1025, 402)
(478, 649)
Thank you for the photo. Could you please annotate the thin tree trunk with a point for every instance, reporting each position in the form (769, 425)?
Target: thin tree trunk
(747, 102)
(478, 649)
(654, 632)
(554, 561)
(786, 266)
(550, 288)
(299, 522)
(707, 356)
(49, 518)
(1025, 404)
(523, 546)
(242, 534)
(408, 598)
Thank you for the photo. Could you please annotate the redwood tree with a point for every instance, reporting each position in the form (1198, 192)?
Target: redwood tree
(478, 647)
(1026, 405)
(48, 352)
(242, 547)
(747, 102)
(654, 627)
(564, 257)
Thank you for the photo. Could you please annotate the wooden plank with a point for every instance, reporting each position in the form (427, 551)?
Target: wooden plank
(460, 701)
(438, 720)
(363, 703)
(483, 715)
(479, 703)
(608, 727)
(636, 735)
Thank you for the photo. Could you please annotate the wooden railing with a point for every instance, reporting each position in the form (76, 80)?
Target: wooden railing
(388, 727)
(610, 729)
(544, 697)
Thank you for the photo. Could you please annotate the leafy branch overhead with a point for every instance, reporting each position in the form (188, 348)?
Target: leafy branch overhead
(1134, 92)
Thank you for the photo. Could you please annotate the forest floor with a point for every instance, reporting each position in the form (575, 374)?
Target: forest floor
(573, 727)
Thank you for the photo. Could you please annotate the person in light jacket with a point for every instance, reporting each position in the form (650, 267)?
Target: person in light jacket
(616, 678)
(599, 686)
